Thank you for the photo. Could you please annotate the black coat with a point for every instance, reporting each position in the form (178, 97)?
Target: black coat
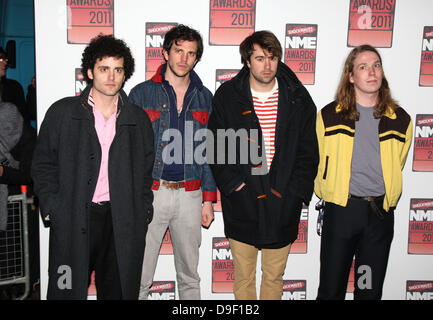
(266, 212)
(65, 169)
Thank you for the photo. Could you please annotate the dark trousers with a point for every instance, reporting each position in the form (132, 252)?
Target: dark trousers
(354, 230)
(102, 252)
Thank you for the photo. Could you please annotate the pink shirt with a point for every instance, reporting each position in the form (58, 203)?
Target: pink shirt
(106, 129)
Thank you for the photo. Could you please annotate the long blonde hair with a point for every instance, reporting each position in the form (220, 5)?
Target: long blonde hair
(345, 95)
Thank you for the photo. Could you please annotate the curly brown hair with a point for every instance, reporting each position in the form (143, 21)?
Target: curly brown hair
(106, 46)
(345, 95)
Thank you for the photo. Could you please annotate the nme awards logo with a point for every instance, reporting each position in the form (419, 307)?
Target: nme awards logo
(421, 226)
(166, 245)
(419, 290)
(423, 144)
(294, 290)
(80, 83)
(223, 75)
(217, 206)
(300, 50)
(91, 291)
(300, 245)
(426, 69)
(155, 32)
(87, 19)
(351, 280)
(372, 22)
(231, 21)
(162, 290)
(222, 266)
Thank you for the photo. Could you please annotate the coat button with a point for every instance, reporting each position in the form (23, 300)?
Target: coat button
(89, 181)
(92, 156)
(164, 105)
(164, 124)
(83, 230)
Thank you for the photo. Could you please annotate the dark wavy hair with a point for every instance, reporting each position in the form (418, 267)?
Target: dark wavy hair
(265, 39)
(345, 96)
(185, 33)
(106, 46)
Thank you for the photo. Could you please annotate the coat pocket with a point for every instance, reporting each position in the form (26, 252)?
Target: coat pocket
(243, 205)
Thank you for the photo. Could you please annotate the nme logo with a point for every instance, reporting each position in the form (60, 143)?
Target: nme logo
(222, 266)
(420, 226)
(419, 290)
(155, 32)
(426, 68)
(300, 245)
(217, 206)
(91, 291)
(423, 143)
(294, 290)
(80, 83)
(224, 75)
(372, 22)
(300, 50)
(166, 245)
(162, 290)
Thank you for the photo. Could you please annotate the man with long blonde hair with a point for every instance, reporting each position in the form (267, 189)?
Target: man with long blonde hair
(364, 137)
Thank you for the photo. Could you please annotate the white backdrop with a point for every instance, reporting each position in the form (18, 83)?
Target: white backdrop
(56, 61)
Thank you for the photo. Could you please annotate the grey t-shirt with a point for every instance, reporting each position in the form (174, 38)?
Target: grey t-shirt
(366, 172)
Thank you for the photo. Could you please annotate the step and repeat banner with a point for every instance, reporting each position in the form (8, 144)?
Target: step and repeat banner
(316, 36)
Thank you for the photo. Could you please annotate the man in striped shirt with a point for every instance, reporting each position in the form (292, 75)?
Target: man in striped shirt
(262, 199)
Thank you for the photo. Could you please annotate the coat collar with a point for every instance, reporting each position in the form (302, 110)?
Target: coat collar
(285, 76)
(158, 77)
(389, 112)
(124, 114)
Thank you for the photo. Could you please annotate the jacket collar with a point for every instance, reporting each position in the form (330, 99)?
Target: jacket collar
(158, 77)
(124, 114)
(389, 112)
(284, 75)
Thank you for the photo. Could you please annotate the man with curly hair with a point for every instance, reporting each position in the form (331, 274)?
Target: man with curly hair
(92, 170)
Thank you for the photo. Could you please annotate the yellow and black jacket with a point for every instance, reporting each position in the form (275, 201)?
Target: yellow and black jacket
(335, 136)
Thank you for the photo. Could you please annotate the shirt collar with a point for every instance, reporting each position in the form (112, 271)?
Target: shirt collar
(91, 102)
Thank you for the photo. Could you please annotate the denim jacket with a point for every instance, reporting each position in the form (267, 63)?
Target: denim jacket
(153, 98)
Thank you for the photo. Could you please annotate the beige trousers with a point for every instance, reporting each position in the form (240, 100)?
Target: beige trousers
(273, 266)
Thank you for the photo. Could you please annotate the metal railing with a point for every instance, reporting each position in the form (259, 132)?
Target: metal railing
(14, 245)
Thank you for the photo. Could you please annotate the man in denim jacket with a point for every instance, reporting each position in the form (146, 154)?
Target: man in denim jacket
(179, 106)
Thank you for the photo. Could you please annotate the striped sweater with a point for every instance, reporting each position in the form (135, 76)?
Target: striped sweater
(266, 107)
